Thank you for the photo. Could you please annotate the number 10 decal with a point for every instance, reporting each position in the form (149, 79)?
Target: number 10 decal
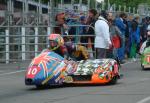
(32, 72)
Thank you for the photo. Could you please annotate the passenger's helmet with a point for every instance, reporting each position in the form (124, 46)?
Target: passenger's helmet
(55, 41)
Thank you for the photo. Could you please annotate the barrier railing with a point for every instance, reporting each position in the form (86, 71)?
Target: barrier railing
(21, 43)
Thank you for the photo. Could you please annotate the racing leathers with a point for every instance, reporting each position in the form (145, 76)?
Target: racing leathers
(77, 52)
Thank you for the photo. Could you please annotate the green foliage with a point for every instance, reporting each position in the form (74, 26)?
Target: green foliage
(129, 3)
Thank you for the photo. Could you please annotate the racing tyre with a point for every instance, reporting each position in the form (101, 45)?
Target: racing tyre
(114, 80)
(40, 86)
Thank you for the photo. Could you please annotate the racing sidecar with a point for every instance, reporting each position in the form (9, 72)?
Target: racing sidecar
(145, 59)
(49, 68)
(98, 71)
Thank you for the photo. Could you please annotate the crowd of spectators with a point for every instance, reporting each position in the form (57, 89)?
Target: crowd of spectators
(113, 36)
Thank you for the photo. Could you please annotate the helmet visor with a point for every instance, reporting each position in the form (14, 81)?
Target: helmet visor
(53, 43)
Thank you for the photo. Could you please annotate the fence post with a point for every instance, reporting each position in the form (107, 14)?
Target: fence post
(48, 33)
(23, 42)
(124, 8)
(36, 41)
(129, 9)
(103, 5)
(119, 8)
(80, 5)
(137, 11)
(7, 45)
(96, 3)
(134, 10)
(89, 4)
(114, 8)
(108, 4)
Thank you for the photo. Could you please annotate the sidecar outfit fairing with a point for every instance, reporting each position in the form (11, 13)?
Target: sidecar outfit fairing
(45, 69)
(98, 71)
(49, 68)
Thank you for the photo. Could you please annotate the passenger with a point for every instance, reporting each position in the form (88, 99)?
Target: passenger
(147, 42)
(56, 44)
(77, 52)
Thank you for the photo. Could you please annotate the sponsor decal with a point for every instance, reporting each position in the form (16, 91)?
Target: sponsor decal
(68, 79)
(47, 79)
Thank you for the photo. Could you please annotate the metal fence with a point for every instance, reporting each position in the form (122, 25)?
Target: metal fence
(21, 43)
(23, 32)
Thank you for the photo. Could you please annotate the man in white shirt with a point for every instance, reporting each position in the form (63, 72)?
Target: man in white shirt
(102, 37)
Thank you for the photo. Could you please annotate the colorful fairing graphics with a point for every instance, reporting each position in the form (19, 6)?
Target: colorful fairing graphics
(96, 71)
(145, 59)
(49, 68)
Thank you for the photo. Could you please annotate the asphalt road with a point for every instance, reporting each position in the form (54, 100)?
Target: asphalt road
(134, 87)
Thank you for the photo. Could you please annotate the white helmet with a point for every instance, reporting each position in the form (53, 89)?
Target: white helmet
(148, 28)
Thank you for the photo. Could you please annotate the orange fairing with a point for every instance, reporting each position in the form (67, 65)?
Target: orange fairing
(97, 79)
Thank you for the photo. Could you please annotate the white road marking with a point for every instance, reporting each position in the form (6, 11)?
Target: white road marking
(12, 72)
(127, 63)
(144, 100)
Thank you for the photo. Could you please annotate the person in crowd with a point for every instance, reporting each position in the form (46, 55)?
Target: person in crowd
(134, 36)
(122, 27)
(82, 29)
(127, 37)
(102, 36)
(147, 42)
(115, 35)
(60, 24)
(91, 19)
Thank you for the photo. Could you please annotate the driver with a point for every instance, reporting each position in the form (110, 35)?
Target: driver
(56, 44)
(147, 42)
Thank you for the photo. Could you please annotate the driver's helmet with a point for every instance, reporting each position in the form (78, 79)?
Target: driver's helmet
(55, 41)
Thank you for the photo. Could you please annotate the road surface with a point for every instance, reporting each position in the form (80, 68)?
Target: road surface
(134, 87)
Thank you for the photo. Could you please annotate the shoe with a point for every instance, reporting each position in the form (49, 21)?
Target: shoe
(122, 62)
(134, 59)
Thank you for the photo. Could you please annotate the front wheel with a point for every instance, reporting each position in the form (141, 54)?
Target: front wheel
(40, 86)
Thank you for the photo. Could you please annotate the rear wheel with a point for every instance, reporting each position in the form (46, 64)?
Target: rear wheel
(114, 80)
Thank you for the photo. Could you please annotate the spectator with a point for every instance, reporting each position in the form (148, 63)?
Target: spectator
(82, 29)
(91, 19)
(122, 27)
(102, 36)
(134, 37)
(115, 35)
(60, 23)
